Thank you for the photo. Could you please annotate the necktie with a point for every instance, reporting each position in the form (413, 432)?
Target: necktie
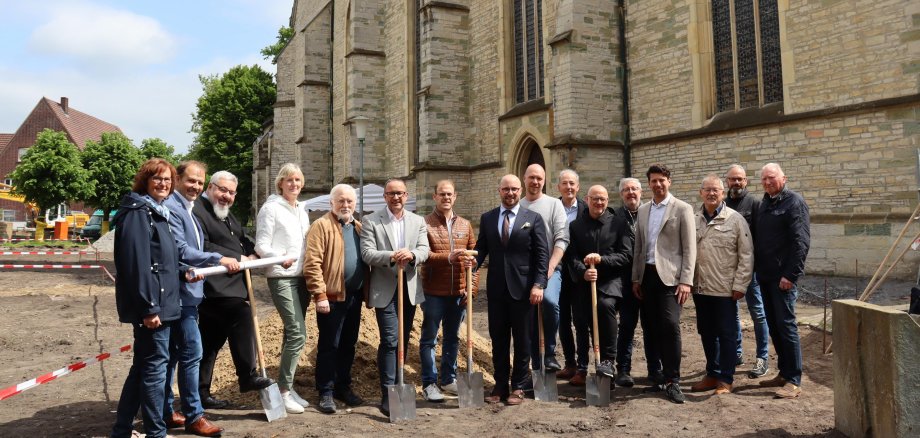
(506, 227)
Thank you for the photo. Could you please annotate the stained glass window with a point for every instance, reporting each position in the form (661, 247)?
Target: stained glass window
(748, 71)
(528, 50)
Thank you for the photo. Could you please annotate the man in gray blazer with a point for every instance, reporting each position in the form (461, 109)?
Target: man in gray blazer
(662, 273)
(390, 238)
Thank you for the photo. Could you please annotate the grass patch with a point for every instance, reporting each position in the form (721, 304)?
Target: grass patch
(49, 244)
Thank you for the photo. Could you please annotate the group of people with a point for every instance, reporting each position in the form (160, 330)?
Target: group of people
(543, 254)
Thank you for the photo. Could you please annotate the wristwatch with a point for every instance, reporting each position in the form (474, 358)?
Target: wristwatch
(539, 286)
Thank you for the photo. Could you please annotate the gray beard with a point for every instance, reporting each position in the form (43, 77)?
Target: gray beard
(221, 212)
(736, 193)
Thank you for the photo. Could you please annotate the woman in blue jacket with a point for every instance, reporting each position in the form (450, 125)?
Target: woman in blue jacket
(146, 293)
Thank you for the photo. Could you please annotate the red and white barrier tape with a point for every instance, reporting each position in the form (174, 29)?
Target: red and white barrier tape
(106, 271)
(24, 239)
(52, 267)
(45, 378)
(46, 253)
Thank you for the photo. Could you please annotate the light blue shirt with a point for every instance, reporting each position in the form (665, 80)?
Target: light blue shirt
(511, 217)
(655, 218)
(570, 212)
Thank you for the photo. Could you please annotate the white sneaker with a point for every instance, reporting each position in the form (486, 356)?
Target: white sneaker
(297, 398)
(450, 388)
(291, 405)
(433, 394)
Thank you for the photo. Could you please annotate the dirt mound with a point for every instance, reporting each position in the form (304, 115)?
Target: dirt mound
(364, 372)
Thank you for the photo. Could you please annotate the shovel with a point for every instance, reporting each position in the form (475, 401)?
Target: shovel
(401, 396)
(544, 383)
(597, 386)
(470, 385)
(272, 403)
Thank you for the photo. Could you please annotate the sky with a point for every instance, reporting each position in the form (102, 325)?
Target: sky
(133, 63)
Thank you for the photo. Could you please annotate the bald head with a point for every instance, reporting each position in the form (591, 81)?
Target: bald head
(597, 201)
(509, 189)
(534, 178)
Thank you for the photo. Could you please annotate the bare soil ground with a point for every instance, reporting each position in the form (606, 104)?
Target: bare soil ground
(49, 319)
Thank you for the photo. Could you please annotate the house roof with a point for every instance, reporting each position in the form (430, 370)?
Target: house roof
(79, 125)
(5, 140)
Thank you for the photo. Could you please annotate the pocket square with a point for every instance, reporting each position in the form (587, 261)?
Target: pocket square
(525, 226)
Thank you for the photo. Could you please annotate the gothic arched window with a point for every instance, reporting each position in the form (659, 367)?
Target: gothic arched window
(528, 50)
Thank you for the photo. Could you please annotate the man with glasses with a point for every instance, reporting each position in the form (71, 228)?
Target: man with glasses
(393, 237)
(601, 252)
(444, 281)
(746, 204)
(514, 240)
(225, 311)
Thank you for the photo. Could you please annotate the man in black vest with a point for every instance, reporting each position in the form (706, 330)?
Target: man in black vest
(225, 313)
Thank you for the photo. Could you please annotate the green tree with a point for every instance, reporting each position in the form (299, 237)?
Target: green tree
(273, 51)
(157, 148)
(229, 118)
(50, 172)
(111, 163)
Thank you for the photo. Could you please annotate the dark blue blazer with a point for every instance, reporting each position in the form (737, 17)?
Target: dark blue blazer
(516, 268)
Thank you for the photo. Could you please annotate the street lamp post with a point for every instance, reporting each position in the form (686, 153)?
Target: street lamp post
(361, 132)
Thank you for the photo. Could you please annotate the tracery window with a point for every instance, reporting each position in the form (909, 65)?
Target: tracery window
(528, 50)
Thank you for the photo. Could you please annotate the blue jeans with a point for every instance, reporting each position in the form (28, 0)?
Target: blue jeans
(436, 309)
(388, 325)
(185, 349)
(755, 307)
(779, 307)
(550, 321)
(144, 387)
(715, 321)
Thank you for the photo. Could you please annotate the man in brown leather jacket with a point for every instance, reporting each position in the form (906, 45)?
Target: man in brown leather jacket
(444, 282)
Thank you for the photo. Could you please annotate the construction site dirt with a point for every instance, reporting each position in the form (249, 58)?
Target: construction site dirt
(49, 319)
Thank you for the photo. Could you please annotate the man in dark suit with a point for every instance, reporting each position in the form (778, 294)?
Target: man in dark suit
(225, 313)
(574, 348)
(514, 239)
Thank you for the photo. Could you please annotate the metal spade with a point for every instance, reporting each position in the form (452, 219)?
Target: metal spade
(597, 386)
(544, 382)
(401, 396)
(272, 403)
(469, 385)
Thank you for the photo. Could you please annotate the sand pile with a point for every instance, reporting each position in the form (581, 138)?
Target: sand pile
(364, 372)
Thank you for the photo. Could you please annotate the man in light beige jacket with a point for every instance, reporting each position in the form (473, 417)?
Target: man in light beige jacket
(724, 266)
(663, 263)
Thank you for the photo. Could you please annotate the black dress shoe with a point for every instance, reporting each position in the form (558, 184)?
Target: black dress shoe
(256, 383)
(214, 403)
(384, 408)
(552, 365)
(656, 378)
(349, 398)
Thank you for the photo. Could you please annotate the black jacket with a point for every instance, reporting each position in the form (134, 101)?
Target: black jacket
(783, 237)
(146, 262)
(747, 206)
(566, 262)
(516, 268)
(610, 236)
(226, 238)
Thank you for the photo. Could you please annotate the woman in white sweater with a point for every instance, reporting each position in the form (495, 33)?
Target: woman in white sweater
(281, 229)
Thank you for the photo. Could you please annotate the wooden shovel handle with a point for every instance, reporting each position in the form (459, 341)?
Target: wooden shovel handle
(255, 320)
(594, 314)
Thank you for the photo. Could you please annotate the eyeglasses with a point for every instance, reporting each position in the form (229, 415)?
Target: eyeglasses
(161, 179)
(711, 190)
(224, 190)
(597, 199)
(510, 189)
(631, 189)
(446, 195)
(396, 194)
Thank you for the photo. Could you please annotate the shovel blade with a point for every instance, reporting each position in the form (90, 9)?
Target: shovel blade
(402, 402)
(272, 403)
(544, 386)
(470, 390)
(597, 390)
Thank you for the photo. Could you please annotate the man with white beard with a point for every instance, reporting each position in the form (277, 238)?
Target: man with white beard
(335, 275)
(225, 313)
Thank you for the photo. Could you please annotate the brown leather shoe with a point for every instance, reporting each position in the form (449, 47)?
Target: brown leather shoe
(175, 420)
(789, 390)
(567, 373)
(579, 378)
(203, 427)
(722, 388)
(515, 398)
(775, 382)
(494, 397)
(708, 383)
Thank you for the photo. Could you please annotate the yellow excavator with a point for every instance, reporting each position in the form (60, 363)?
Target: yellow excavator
(77, 218)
